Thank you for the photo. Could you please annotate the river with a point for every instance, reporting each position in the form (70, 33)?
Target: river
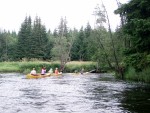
(91, 93)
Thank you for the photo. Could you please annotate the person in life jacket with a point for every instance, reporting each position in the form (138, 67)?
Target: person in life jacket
(56, 71)
(33, 72)
(43, 71)
(51, 71)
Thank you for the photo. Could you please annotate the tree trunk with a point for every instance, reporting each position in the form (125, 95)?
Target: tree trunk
(117, 68)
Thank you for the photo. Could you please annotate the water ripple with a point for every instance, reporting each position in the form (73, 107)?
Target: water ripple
(93, 93)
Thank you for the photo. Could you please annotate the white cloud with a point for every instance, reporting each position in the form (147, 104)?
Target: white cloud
(77, 12)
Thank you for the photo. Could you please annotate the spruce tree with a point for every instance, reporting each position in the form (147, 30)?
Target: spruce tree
(87, 31)
(24, 36)
(78, 51)
(39, 40)
(137, 25)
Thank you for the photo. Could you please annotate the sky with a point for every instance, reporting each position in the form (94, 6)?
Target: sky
(77, 12)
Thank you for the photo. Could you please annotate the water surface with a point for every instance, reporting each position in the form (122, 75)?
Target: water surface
(92, 93)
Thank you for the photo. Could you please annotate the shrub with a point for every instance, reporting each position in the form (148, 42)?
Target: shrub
(131, 74)
(145, 75)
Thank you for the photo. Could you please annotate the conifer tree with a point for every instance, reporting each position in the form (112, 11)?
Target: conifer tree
(137, 26)
(79, 46)
(24, 36)
(39, 40)
(87, 31)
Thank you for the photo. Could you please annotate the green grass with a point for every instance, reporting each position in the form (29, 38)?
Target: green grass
(9, 67)
(26, 66)
(78, 65)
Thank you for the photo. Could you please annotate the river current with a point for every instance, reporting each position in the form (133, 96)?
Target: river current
(70, 93)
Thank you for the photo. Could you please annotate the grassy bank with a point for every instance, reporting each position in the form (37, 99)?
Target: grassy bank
(26, 67)
(77, 66)
(9, 67)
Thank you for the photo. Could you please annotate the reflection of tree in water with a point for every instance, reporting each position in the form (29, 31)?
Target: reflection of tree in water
(137, 100)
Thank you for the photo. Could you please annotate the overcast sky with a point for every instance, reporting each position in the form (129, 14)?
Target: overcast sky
(77, 12)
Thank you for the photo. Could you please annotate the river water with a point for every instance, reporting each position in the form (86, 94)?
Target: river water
(91, 93)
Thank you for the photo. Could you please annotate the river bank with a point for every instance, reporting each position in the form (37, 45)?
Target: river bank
(26, 66)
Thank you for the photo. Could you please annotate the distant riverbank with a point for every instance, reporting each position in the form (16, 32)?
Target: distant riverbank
(26, 66)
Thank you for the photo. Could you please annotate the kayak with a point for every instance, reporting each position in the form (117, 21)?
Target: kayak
(30, 76)
(53, 74)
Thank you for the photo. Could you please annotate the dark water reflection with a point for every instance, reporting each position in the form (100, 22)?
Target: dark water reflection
(93, 93)
(137, 99)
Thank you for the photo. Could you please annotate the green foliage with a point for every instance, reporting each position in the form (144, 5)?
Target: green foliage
(33, 40)
(122, 42)
(9, 67)
(60, 48)
(24, 39)
(148, 58)
(2, 46)
(24, 66)
(143, 76)
(78, 46)
(63, 40)
(62, 28)
(131, 74)
(137, 25)
(39, 46)
(138, 61)
(141, 33)
(87, 31)
(7, 45)
(81, 48)
(101, 49)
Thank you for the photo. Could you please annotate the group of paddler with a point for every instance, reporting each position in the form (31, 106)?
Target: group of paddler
(43, 71)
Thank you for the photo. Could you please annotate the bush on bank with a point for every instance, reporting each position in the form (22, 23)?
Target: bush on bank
(133, 75)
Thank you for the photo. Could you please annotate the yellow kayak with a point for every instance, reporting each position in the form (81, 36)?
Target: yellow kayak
(30, 76)
(53, 74)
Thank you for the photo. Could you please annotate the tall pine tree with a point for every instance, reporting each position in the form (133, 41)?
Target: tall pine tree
(39, 40)
(24, 36)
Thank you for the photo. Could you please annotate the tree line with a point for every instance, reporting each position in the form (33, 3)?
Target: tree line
(34, 41)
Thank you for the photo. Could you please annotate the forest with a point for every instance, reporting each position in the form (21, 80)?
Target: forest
(125, 50)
